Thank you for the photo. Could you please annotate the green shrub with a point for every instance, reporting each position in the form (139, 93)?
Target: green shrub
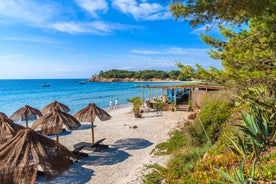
(213, 116)
(178, 140)
(156, 176)
(182, 164)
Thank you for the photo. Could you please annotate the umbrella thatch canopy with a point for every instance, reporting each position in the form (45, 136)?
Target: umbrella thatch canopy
(50, 106)
(21, 156)
(26, 113)
(89, 113)
(8, 128)
(52, 123)
(3, 114)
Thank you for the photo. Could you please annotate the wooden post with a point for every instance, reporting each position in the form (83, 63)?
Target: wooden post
(190, 92)
(92, 129)
(143, 100)
(174, 96)
(26, 117)
(57, 138)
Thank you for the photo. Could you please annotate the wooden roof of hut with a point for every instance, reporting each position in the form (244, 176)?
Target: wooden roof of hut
(21, 156)
(194, 85)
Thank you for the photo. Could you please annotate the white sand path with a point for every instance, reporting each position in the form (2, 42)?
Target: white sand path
(129, 149)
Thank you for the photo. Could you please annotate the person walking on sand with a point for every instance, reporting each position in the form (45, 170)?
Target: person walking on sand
(110, 105)
(116, 103)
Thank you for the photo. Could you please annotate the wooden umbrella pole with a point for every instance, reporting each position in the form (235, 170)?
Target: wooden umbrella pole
(92, 129)
(57, 137)
(26, 117)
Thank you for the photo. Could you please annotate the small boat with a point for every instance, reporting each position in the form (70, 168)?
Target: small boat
(45, 85)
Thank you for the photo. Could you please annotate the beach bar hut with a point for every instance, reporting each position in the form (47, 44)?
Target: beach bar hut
(182, 95)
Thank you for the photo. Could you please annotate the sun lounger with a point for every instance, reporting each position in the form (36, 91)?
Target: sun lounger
(99, 146)
(77, 152)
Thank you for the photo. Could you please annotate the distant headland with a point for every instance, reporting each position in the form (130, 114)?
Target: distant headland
(136, 76)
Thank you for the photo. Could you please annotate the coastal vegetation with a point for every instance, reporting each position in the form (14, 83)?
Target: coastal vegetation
(222, 142)
(142, 75)
(136, 102)
(232, 139)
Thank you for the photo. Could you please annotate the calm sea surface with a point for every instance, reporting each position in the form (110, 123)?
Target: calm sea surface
(17, 93)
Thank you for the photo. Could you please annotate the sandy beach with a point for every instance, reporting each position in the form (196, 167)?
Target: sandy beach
(129, 148)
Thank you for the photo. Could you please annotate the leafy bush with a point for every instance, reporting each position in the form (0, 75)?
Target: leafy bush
(212, 118)
(182, 164)
(178, 140)
(136, 102)
(156, 176)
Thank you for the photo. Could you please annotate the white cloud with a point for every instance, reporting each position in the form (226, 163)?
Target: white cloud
(94, 27)
(171, 51)
(27, 11)
(93, 6)
(164, 59)
(9, 56)
(31, 39)
(146, 52)
(142, 11)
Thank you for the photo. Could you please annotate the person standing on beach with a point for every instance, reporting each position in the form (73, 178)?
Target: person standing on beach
(116, 103)
(110, 104)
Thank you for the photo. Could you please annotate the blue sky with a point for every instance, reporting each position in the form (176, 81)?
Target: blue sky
(79, 38)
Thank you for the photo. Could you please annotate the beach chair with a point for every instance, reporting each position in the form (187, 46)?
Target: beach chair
(77, 152)
(99, 146)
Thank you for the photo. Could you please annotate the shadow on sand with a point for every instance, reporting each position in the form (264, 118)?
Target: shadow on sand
(63, 133)
(85, 126)
(131, 143)
(76, 174)
(109, 156)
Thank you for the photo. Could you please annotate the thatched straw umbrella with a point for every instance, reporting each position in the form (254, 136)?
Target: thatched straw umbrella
(89, 113)
(8, 128)
(50, 106)
(21, 156)
(3, 115)
(26, 113)
(52, 123)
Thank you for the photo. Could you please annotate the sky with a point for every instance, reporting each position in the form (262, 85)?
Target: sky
(42, 39)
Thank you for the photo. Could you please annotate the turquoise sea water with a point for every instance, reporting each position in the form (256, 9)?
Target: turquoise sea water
(17, 93)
